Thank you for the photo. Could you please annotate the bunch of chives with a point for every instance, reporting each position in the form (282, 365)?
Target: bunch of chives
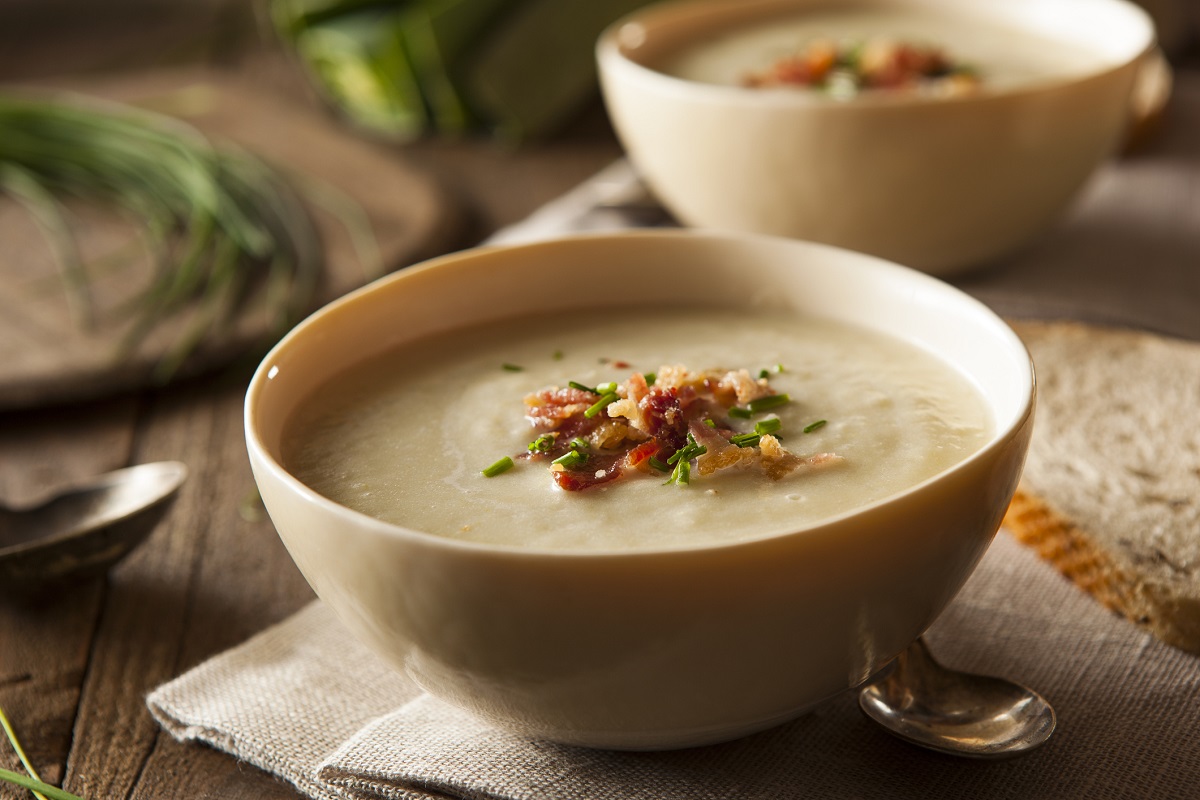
(218, 220)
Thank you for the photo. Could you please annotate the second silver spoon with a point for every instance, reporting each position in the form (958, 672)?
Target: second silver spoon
(958, 713)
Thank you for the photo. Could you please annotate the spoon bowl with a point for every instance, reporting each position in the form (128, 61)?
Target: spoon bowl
(86, 529)
(957, 713)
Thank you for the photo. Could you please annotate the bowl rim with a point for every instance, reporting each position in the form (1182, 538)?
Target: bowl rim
(999, 437)
(611, 59)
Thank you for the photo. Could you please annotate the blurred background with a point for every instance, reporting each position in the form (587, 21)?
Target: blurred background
(434, 122)
(457, 85)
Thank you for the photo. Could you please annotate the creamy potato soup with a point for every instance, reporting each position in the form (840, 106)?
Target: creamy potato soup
(779, 421)
(825, 48)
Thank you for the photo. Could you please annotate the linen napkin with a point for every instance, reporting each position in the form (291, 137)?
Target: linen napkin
(306, 702)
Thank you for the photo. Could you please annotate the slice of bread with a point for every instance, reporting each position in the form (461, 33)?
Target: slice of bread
(1111, 490)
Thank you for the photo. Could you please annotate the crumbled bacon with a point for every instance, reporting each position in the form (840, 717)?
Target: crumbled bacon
(640, 456)
(656, 421)
(547, 408)
(877, 63)
(599, 469)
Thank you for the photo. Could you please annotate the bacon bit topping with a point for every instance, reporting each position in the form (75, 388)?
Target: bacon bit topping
(845, 69)
(680, 420)
(549, 407)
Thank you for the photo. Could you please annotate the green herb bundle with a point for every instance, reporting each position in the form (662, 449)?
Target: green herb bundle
(515, 68)
(219, 222)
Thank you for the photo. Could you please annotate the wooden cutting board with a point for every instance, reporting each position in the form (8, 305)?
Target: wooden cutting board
(47, 356)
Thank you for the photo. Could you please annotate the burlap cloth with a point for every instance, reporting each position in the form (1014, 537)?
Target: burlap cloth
(305, 701)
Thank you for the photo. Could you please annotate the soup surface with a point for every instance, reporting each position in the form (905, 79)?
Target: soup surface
(1000, 56)
(404, 436)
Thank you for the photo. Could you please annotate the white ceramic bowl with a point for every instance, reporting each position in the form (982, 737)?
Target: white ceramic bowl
(659, 648)
(940, 184)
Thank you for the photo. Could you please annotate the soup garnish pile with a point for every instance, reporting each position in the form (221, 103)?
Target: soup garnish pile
(843, 69)
(664, 423)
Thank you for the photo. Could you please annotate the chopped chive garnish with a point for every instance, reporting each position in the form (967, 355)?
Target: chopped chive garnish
(658, 465)
(768, 402)
(512, 367)
(581, 387)
(606, 388)
(571, 458)
(650, 378)
(682, 475)
(598, 406)
(770, 425)
(762, 373)
(542, 443)
(558, 355)
(739, 412)
(815, 426)
(578, 444)
(746, 439)
(779, 368)
(710, 423)
(689, 451)
(503, 465)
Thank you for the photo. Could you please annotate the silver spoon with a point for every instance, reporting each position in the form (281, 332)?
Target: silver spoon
(86, 529)
(958, 713)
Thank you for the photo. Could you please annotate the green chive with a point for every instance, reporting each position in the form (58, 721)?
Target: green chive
(779, 368)
(503, 465)
(682, 475)
(739, 413)
(36, 786)
(658, 465)
(710, 423)
(572, 458)
(578, 444)
(34, 782)
(606, 388)
(650, 378)
(689, 451)
(581, 387)
(762, 373)
(768, 402)
(770, 425)
(512, 367)
(745, 439)
(815, 426)
(542, 443)
(599, 405)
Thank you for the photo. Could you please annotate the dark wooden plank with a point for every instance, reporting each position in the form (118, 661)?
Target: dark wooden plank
(45, 639)
(204, 581)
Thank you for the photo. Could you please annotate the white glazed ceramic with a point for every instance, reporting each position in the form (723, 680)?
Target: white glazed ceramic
(939, 184)
(648, 649)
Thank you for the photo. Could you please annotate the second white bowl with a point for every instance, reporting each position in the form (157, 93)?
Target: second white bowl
(941, 184)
